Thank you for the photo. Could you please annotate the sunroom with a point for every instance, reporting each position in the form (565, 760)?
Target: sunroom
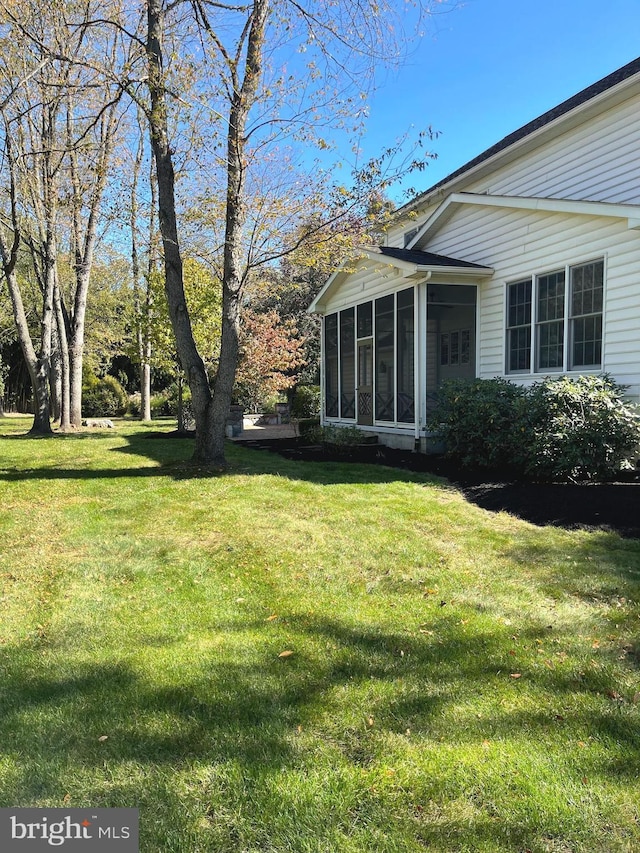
(395, 324)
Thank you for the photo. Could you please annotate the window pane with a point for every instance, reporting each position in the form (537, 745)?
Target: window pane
(444, 348)
(587, 342)
(347, 364)
(550, 345)
(384, 370)
(550, 297)
(519, 303)
(409, 235)
(586, 288)
(519, 326)
(454, 343)
(405, 406)
(365, 320)
(550, 321)
(586, 314)
(465, 346)
(331, 365)
(519, 349)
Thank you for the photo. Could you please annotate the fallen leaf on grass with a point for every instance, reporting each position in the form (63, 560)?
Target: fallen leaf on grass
(286, 653)
(516, 675)
(271, 618)
(102, 738)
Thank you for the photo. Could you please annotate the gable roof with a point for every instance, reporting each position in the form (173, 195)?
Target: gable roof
(444, 211)
(410, 262)
(592, 92)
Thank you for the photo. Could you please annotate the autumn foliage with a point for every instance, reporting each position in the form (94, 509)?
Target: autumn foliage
(271, 354)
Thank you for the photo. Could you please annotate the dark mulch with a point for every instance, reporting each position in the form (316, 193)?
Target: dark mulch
(611, 506)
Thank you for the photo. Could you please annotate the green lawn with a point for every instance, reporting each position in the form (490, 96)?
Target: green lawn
(453, 680)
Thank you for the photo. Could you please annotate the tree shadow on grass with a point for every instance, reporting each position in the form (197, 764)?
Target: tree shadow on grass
(251, 725)
(607, 507)
(172, 459)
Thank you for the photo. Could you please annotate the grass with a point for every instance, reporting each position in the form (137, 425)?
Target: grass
(457, 681)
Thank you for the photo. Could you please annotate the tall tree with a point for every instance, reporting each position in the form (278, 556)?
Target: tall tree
(263, 109)
(272, 79)
(60, 115)
(142, 284)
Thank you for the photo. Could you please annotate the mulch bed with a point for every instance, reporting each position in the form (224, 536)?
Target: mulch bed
(613, 506)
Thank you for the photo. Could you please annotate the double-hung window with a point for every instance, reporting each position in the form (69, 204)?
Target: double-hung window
(586, 315)
(554, 320)
(519, 327)
(550, 321)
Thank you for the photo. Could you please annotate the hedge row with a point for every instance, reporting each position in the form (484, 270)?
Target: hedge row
(557, 429)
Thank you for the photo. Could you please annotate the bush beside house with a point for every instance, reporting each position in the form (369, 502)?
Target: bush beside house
(558, 429)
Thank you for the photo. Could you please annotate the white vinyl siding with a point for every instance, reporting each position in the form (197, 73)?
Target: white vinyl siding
(596, 160)
(367, 281)
(520, 244)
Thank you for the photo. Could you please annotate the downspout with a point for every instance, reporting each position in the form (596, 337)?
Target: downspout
(322, 382)
(417, 373)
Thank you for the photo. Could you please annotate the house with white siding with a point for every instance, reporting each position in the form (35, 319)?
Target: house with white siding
(524, 263)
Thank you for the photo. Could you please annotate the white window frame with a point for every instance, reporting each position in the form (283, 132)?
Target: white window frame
(535, 324)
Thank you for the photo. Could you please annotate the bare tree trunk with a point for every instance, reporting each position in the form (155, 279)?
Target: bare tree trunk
(38, 365)
(2, 391)
(192, 363)
(84, 242)
(210, 411)
(61, 328)
(242, 100)
(55, 379)
(143, 307)
(154, 263)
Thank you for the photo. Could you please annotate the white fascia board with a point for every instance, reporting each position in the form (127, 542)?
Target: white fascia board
(630, 212)
(405, 268)
(316, 305)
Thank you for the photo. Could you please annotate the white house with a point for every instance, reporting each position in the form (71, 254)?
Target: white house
(523, 263)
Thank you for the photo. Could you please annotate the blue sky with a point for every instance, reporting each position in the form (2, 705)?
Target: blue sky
(489, 66)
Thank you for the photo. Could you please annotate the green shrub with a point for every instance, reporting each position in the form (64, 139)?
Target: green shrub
(475, 419)
(160, 406)
(344, 439)
(103, 398)
(134, 405)
(306, 401)
(310, 431)
(165, 404)
(562, 429)
(579, 429)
